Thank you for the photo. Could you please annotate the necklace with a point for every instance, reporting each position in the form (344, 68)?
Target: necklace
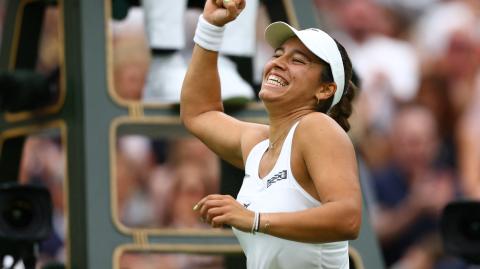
(271, 145)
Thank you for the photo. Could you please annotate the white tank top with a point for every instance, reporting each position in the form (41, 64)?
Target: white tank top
(279, 191)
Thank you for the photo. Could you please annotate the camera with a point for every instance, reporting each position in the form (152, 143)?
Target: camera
(460, 230)
(25, 220)
(26, 90)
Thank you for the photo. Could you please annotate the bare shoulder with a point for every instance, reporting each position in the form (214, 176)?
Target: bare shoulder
(323, 130)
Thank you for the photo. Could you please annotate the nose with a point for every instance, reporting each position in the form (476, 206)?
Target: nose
(279, 62)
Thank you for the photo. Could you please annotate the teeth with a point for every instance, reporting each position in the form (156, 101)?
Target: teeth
(277, 81)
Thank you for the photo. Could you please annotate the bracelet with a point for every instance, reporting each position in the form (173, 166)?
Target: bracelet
(266, 226)
(255, 222)
(207, 35)
(257, 227)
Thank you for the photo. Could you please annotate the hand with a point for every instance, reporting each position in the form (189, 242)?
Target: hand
(218, 210)
(221, 12)
(431, 193)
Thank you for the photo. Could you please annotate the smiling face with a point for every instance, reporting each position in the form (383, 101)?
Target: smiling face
(294, 74)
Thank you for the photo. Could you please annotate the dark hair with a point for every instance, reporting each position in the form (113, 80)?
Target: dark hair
(343, 109)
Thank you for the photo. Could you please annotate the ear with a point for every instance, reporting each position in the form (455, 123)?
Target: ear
(325, 91)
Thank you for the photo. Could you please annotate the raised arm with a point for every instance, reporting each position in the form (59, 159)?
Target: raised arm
(201, 106)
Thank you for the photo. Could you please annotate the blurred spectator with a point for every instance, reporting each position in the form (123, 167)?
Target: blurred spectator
(461, 66)
(49, 47)
(154, 194)
(196, 174)
(454, 79)
(468, 134)
(387, 66)
(162, 194)
(135, 161)
(411, 193)
(434, 28)
(131, 56)
(43, 163)
(434, 95)
(165, 28)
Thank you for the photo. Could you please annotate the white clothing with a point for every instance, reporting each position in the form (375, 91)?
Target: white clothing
(165, 27)
(279, 191)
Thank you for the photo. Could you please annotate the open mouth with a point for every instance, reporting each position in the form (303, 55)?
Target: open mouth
(276, 81)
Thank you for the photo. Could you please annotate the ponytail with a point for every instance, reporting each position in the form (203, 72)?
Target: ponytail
(342, 111)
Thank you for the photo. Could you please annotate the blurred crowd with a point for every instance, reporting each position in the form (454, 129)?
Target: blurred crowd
(414, 124)
(43, 164)
(158, 183)
(160, 180)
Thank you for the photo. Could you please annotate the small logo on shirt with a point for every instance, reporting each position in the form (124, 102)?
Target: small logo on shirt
(246, 205)
(277, 177)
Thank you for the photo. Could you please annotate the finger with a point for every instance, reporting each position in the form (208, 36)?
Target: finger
(219, 3)
(207, 205)
(199, 205)
(214, 212)
(231, 8)
(241, 4)
(218, 221)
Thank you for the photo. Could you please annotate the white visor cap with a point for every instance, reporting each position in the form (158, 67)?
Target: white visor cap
(318, 42)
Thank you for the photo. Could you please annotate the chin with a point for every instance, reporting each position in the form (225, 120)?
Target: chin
(267, 94)
(261, 94)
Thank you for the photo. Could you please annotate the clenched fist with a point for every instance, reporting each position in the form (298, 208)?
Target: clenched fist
(221, 12)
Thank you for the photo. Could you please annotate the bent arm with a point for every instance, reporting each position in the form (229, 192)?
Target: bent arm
(329, 160)
(335, 221)
(331, 222)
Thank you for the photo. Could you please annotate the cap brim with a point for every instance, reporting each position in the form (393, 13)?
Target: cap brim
(278, 32)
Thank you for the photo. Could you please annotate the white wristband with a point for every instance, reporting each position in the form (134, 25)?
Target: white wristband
(207, 35)
(255, 222)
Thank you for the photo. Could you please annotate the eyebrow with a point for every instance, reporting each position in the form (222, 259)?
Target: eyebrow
(297, 51)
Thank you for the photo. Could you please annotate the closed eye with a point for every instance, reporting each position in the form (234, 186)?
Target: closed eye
(276, 55)
(301, 61)
(278, 52)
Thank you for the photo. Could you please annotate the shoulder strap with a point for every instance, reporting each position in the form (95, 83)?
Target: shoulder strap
(285, 154)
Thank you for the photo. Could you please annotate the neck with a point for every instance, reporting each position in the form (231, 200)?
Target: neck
(280, 125)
